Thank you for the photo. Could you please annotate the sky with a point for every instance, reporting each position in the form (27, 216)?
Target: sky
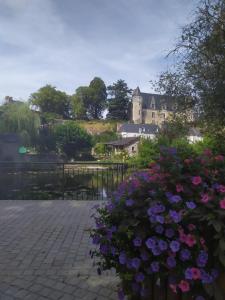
(66, 43)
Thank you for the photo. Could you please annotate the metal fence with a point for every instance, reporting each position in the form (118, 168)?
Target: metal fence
(48, 180)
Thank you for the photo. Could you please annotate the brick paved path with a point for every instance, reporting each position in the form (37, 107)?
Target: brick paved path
(44, 252)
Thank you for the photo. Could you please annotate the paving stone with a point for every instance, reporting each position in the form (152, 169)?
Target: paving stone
(44, 252)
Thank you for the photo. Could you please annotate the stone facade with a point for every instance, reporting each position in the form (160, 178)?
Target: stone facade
(151, 108)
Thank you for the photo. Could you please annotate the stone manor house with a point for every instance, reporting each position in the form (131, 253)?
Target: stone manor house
(151, 108)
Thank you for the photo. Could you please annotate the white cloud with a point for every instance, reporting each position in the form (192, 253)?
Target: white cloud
(42, 42)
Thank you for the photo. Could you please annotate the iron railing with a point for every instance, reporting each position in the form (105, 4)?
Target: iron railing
(55, 180)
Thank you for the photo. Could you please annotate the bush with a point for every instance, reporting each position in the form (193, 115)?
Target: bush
(71, 139)
(166, 223)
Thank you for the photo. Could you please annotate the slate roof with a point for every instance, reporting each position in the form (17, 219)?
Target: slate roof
(139, 128)
(159, 100)
(123, 142)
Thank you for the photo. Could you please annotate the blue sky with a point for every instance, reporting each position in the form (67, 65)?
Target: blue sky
(67, 42)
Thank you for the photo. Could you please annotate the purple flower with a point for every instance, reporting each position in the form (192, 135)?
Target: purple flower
(150, 243)
(206, 277)
(129, 264)
(137, 242)
(169, 232)
(162, 245)
(144, 255)
(156, 251)
(155, 266)
(185, 254)
(129, 202)
(160, 219)
(191, 205)
(113, 251)
(139, 277)
(96, 240)
(171, 262)
(188, 274)
(122, 258)
(104, 249)
(135, 262)
(156, 209)
(215, 273)
(113, 229)
(175, 216)
(159, 229)
(121, 295)
(175, 246)
(202, 259)
(175, 199)
(110, 207)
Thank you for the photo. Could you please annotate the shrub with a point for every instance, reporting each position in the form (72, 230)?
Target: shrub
(166, 223)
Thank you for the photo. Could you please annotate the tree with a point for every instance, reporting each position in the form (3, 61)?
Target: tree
(80, 102)
(18, 118)
(71, 139)
(119, 99)
(89, 102)
(50, 100)
(197, 79)
(98, 99)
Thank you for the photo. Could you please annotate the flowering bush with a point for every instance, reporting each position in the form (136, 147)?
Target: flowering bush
(167, 222)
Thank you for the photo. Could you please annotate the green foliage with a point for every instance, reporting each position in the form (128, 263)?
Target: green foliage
(100, 149)
(104, 137)
(72, 139)
(18, 118)
(166, 222)
(99, 96)
(50, 100)
(119, 101)
(147, 152)
(89, 102)
(197, 80)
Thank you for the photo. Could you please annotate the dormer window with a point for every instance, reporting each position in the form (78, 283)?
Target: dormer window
(153, 105)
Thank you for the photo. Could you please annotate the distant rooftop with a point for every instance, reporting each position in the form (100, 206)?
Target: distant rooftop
(123, 142)
(139, 128)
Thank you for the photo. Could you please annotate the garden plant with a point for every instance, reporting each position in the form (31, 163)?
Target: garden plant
(166, 225)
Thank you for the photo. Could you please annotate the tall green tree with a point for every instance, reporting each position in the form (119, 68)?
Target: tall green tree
(98, 98)
(18, 118)
(50, 100)
(119, 100)
(198, 77)
(89, 102)
(80, 102)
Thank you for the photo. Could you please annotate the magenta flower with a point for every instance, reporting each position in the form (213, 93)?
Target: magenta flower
(196, 180)
(222, 204)
(184, 286)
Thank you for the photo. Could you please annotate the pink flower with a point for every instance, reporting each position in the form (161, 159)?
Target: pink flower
(208, 152)
(222, 188)
(179, 188)
(190, 240)
(219, 158)
(205, 198)
(173, 288)
(202, 241)
(184, 286)
(196, 274)
(182, 237)
(196, 180)
(188, 161)
(222, 204)
(191, 227)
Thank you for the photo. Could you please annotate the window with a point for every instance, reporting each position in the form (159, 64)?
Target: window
(163, 116)
(132, 149)
(139, 112)
(153, 105)
(153, 115)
